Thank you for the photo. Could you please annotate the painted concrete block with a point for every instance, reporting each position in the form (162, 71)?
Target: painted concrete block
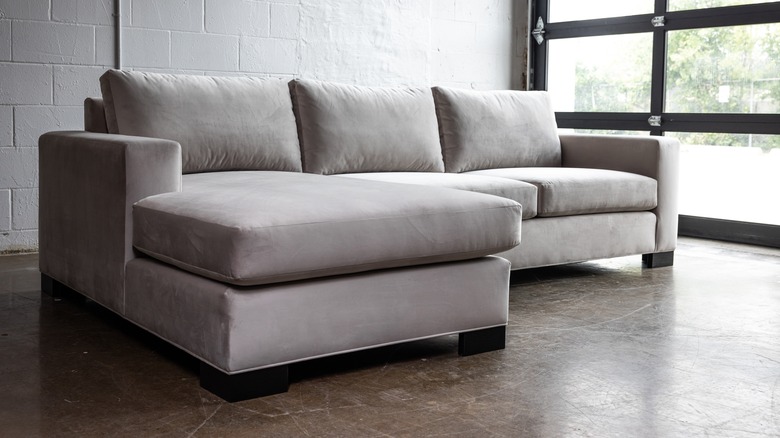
(5, 210)
(104, 46)
(140, 47)
(269, 55)
(186, 15)
(204, 51)
(490, 69)
(25, 84)
(24, 9)
(237, 17)
(285, 21)
(32, 121)
(145, 48)
(18, 241)
(358, 42)
(495, 40)
(25, 209)
(5, 40)
(444, 9)
(89, 11)
(18, 168)
(56, 43)
(6, 126)
(453, 67)
(73, 84)
(453, 36)
(485, 11)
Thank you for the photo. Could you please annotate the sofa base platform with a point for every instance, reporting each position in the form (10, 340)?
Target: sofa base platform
(275, 380)
(658, 259)
(549, 241)
(245, 337)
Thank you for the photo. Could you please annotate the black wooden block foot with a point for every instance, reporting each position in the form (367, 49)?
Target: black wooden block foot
(482, 341)
(58, 291)
(244, 386)
(52, 287)
(658, 259)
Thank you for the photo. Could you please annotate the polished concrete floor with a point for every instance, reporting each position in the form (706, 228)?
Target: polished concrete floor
(594, 349)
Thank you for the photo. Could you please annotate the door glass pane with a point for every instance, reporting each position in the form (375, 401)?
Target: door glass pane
(730, 176)
(683, 5)
(724, 70)
(570, 10)
(603, 74)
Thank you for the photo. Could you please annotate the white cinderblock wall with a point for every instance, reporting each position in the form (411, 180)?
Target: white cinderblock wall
(53, 51)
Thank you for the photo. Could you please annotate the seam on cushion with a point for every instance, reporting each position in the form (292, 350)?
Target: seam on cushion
(334, 222)
(610, 210)
(305, 275)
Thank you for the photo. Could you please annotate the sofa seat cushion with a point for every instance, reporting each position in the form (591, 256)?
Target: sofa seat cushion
(251, 228)
(518, 191)
(352, 129)
(222, 123)
(565, 191)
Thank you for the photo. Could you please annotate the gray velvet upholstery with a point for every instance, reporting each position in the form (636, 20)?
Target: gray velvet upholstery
(654, 157)
(243, 328)
(348, 129)
(568, 239)
(565, 191)
(94, 115)
(88, 185)
(222, 123)
(250, 263)
(249, 228)
(494, 129)
(518, 191)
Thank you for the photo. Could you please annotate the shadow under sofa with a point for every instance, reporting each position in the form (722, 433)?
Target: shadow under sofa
(255, 223)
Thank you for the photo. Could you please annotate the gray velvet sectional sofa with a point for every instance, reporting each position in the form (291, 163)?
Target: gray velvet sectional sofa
(255, 223)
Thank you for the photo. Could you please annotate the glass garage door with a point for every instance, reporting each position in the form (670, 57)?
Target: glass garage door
(704, 71)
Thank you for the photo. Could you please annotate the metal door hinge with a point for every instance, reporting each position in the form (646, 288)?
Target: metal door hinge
(538, 32)
(659, 21)
(654, 120)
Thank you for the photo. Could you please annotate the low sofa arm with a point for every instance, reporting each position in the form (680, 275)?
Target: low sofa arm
(654, 157)
(88, 185)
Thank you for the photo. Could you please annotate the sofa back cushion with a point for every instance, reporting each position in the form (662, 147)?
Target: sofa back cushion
(347, 129)
(222, 123)
(496, 129)
(94, 115)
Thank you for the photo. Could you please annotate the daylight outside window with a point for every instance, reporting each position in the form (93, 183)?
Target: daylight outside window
(716, 86)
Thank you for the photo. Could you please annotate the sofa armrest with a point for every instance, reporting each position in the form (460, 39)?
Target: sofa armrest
(88, 185)
(654, 157)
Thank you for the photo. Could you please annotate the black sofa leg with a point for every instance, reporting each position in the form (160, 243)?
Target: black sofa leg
(244, 386)
(52, 287)
(482, 341)
(658, 259)
(58, 291)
